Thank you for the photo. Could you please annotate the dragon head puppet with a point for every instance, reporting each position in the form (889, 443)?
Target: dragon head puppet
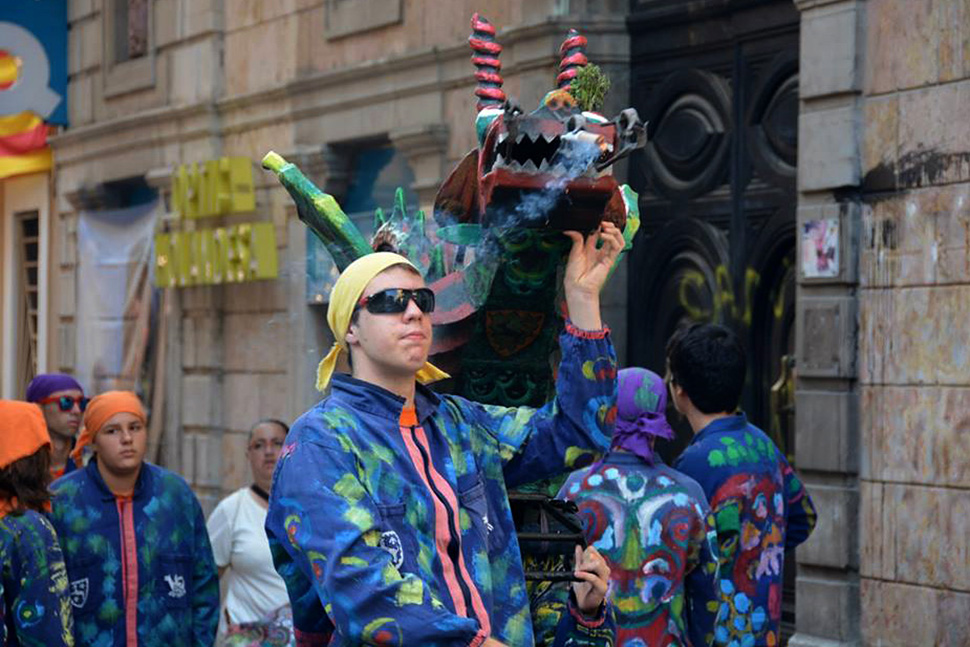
(549, 168)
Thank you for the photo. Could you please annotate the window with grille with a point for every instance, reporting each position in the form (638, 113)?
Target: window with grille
(130, 29)
(27, 239)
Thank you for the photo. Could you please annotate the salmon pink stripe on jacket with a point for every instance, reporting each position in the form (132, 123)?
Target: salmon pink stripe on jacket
(442, 484)
(441, 533)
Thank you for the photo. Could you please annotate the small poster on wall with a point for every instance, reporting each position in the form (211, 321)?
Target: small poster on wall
(820, 248)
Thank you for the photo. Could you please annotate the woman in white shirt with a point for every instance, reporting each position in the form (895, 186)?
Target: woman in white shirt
(256, 609)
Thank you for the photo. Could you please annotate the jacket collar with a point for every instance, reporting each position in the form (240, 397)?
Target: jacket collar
(378, 401)
(142, 484)
(730, 424)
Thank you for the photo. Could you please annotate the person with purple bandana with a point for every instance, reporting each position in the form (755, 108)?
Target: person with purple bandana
(62, 400)
(652, 524)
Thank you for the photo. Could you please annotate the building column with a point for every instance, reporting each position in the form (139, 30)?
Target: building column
(826, 399)
(426, 150)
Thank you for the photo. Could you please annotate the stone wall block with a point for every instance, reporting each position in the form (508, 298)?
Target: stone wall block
(826, 608)
(880, 142)
(954, 47)
(250, 397)
(897, 615)
(235, 464)
(826, 439)
(901, 47)
(208, 459)
(260, 296)
(871, 510)
(825, 336)
(255, 342)
(953, 234)
(194, 66)
(828, 151)
(240, 392)
(830, 544)
(200, 401)
(187, 470)
(917, 434)
(930, 527)
(201, 342)
(165, 25)
(829, 60)
(933, 135)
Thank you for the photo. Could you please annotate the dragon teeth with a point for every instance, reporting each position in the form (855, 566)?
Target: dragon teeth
(530, 167)
(544, 166)
(503, 137)
(548, 137)
(518, 140)
(499, 161)
(559, 169)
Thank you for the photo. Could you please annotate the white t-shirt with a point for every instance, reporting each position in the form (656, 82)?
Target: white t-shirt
(254, 589)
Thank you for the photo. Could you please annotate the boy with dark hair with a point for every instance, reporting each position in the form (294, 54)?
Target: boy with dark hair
(760, 507)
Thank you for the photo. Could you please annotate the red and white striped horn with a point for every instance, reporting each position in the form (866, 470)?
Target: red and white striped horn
(488, 67)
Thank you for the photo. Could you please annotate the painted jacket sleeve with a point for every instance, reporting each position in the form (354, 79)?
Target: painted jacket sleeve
(571, 429)
(801, 510)
(35, 584)
(331, 528)
(311, 626)
(701, 581)
(205, 585)
(558, 623)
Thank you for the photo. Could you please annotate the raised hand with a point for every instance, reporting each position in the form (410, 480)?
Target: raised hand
(586, 271)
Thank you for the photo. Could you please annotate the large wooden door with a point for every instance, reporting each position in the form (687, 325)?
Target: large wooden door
(718, 83)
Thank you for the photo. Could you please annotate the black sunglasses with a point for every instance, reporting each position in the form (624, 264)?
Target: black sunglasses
(66, 402)
(395, 300)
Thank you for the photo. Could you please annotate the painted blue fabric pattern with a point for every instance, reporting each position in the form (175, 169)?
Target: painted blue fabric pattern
(178, 587)
(655, 529)
(761, 509)
(34, 606)
(404, 535)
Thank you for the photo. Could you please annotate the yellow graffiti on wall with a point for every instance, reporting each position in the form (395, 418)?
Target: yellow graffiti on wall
(232, 254)
(724, 304)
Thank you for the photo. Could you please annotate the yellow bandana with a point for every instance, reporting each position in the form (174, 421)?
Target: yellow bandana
(343, 299)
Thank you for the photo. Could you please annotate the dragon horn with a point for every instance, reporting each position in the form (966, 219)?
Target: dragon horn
(320, 212)
(488, 67)
(572, 55)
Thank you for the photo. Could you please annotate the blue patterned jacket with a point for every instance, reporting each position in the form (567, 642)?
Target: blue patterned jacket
(404, 535)
(177, 585)
(34, 607)
(761, 509)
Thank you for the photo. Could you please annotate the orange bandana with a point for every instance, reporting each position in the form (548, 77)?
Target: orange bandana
(22, 430)
(99, 411)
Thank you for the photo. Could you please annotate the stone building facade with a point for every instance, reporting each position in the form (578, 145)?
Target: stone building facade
(879, 338)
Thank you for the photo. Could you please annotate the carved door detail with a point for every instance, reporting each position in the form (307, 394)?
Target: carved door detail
(718, 83)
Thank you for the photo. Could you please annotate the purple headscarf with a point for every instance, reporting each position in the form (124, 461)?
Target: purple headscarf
(46, 383)
(640, 412)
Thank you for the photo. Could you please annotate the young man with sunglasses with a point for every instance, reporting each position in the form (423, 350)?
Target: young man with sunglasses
(389, 518)
(62, 400)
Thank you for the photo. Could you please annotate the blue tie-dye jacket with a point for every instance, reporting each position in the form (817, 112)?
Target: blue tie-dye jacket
(178, 586)
(34, 607)
(761, 510)
(654, 527)
(364, 513)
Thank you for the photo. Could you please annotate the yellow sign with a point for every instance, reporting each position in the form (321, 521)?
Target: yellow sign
(213, 256)
(214, 188)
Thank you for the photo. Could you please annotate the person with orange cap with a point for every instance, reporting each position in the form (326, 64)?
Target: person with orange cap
(389, 518)
(34, 604)
(134, 538)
